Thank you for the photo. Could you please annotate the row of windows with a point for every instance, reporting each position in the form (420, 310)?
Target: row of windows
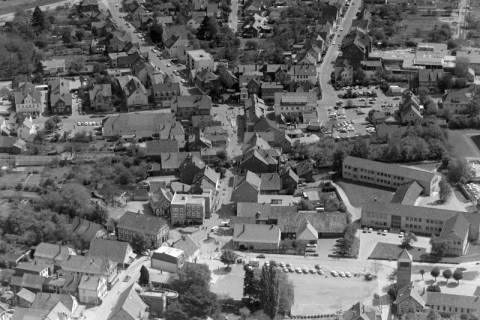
(452, 309)
(413, 219)
(433, 229)
(434, 221)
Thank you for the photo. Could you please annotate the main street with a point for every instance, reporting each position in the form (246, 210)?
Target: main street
(164, 65)
(324, 69)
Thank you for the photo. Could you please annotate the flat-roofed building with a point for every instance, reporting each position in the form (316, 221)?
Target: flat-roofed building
(168, 259)
(187, 209)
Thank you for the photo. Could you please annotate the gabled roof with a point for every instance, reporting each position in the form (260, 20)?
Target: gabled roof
(409, 292)
(454, 300)
(90, 283)
(141, 223)
(256, 233)
(407, 193)
(167, 87)
(115, 251)
(88, 265)
(399, 170)
(457, 226)
(26, 295)
(252, 179)
(187, 244)
(129, 306)
(270, 182)
(33, 266)
(104, 90)
(157, 147)
(405, 256)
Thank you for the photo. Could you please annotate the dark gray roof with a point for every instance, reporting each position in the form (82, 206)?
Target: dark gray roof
(141, 223)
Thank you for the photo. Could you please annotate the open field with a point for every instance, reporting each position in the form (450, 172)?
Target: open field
(17, 5)
(337, 293)
(418, 26)
(461, 143)
(359, 193)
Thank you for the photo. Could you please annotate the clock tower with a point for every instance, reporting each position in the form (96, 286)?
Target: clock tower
(404, 269)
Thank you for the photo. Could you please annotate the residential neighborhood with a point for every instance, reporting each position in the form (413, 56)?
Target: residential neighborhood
(239, 159)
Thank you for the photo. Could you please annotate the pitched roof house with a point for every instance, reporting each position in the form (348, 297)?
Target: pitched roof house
(247, 188)
(256, 236)
(101, 97)
(153, 229)
(116, 251)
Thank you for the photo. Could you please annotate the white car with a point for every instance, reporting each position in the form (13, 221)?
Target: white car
(341, 274)
(334, 273)
(348, 274)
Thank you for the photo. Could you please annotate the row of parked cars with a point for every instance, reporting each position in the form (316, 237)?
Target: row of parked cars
(89, 123)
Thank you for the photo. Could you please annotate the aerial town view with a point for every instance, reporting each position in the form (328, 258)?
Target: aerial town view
(239, 159)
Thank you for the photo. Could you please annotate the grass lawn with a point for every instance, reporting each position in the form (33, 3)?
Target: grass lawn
(359, 193)
(230, 284)
(418, 26)
(461, 143)
(17, 5)
(390, 251)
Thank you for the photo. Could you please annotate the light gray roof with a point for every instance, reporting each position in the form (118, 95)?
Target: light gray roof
(394, 169)
(409, 211)
(256, 233)
(459, 301)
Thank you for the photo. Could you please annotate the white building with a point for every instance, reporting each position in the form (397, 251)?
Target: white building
(168, 259)
(198, 60)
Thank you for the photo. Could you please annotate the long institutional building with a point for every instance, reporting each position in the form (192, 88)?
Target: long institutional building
(387, 175)
(454, 228)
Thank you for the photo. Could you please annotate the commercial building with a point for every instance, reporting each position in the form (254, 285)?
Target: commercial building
(187, 209)
(261, 237)
(294, 103)
(153, 229)
(198, 60)
(168, 259)
(387, 175)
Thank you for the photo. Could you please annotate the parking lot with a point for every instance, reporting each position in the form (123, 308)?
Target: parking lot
(348, 117)
(368, 241)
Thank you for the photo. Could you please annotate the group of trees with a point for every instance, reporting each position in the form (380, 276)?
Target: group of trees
(440, 34)
(444, 190)
(403, 144)
(348, 245)
(269, 289)
(195, 300)
(447, 274)
(385, 23)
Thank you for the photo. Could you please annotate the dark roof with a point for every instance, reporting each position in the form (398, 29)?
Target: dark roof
(157, 147)
(407, 193)
(252, 179)
(167, 87)
(115, 251)
(141, 223)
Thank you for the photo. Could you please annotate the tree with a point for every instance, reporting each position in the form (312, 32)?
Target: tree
(38, 19)
(156, 33)
(447, 274)
(144, 276)
(228, 257)
(433, 288)
(422, 272)
(458, 275)
(438, 248)
(461, 67)
(251, 285)
(208, 29)
(459, 171)
(139, 244)
(174, 312)
(193, 285)
(444, 190)
(407, 240)
(435, 272)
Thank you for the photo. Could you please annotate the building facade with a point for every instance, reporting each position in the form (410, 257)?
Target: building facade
(187, 209)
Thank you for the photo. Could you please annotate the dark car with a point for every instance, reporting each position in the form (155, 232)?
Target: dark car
(261, 256)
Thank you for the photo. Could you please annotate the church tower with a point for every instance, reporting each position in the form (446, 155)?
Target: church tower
(404, 269)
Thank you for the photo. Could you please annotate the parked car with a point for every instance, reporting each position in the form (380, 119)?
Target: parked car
(334, 273)
(261, 256)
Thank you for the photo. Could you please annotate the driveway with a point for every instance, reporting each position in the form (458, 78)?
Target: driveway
(354, 211)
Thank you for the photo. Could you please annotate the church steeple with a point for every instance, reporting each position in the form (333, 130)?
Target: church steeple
(404, 269)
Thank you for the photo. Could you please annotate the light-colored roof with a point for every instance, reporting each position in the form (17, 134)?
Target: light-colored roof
(174, 252)
(89, 265)
(199, 54)
(187, 244)
(89, 282)
(408, 211)
(183, 199)
(420, 175)
(129, 306)
(26, 295)
(457, 226)
(405, 256)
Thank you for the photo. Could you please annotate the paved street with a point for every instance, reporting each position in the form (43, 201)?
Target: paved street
(233, 17)
(164, 65)
(329, 96)
(111, 299)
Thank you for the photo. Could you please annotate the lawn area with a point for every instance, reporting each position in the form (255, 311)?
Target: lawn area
(335, 293)
(359, 193)
(462, 144)
(418, 26)
(229, 284)
(390, 251)
(17, 5)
